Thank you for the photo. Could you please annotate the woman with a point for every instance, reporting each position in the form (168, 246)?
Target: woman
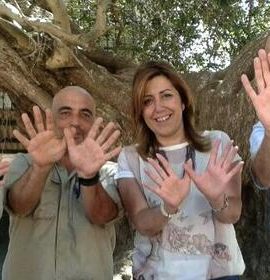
(180, 188)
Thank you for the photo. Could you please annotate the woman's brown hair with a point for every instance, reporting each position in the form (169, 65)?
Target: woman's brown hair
(146, 141)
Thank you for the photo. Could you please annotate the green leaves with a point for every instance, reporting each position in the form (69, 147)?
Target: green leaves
(191, 35)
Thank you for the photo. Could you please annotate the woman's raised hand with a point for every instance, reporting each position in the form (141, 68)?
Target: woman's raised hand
(216, 180)
(168, 186)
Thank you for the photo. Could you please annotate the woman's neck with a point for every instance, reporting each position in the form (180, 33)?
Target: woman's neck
(166, 142)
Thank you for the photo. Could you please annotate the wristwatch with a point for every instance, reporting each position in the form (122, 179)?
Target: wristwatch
(88, 182)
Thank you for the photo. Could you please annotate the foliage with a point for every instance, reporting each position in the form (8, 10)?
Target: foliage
(190, 34)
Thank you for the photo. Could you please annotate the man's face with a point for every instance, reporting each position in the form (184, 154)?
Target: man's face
(76, 110)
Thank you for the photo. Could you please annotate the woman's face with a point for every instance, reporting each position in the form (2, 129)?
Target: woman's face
(162, 111)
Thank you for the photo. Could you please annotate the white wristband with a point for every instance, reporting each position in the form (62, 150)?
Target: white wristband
(224, 206)
(165, 213)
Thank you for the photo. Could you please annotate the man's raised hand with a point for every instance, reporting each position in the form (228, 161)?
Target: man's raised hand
(98, 147)
(42, 142)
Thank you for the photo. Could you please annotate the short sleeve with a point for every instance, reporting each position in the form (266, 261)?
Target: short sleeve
(225, 140)
(123, 170)
(256, 138)
(108, 182)
(255, 141)
(17, 169)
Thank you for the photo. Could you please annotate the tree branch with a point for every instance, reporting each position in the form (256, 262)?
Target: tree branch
(109, 60)
(60, 14)
(62, 55)
(17, 79)
(243, 63)
(113, 62)
(100, 27)
(46, 27)
(22, 40)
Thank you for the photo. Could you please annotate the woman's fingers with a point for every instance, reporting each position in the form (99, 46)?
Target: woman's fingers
(190, 172)
(214, 153)
(228, 159)
(157, 168)
(154, 190)
(165, 164)
(154, 177)
(236, 169)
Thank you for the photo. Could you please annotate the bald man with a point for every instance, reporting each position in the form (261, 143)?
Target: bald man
(59, 196)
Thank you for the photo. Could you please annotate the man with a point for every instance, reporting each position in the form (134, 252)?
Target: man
(260, 136)
(59, 211)
(3, 170)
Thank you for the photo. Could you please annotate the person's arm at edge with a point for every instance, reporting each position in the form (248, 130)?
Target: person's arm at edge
(261, 161)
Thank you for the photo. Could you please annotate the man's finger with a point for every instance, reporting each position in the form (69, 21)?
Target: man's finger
(265, 66)
(94, 131)
(259, 75)
(115, 152)
(38, 119)
(49, 120)
(21, 138)
(69, 138)
(248, 88)
(105, 133)
(4, 170)
(110, 141)
(4, 164)
(28, 126)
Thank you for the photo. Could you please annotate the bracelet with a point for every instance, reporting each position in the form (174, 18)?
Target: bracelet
(165, 213)
(224, 206)
(88, 182)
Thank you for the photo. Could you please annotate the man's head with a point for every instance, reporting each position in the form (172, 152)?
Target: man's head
(74, 107)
